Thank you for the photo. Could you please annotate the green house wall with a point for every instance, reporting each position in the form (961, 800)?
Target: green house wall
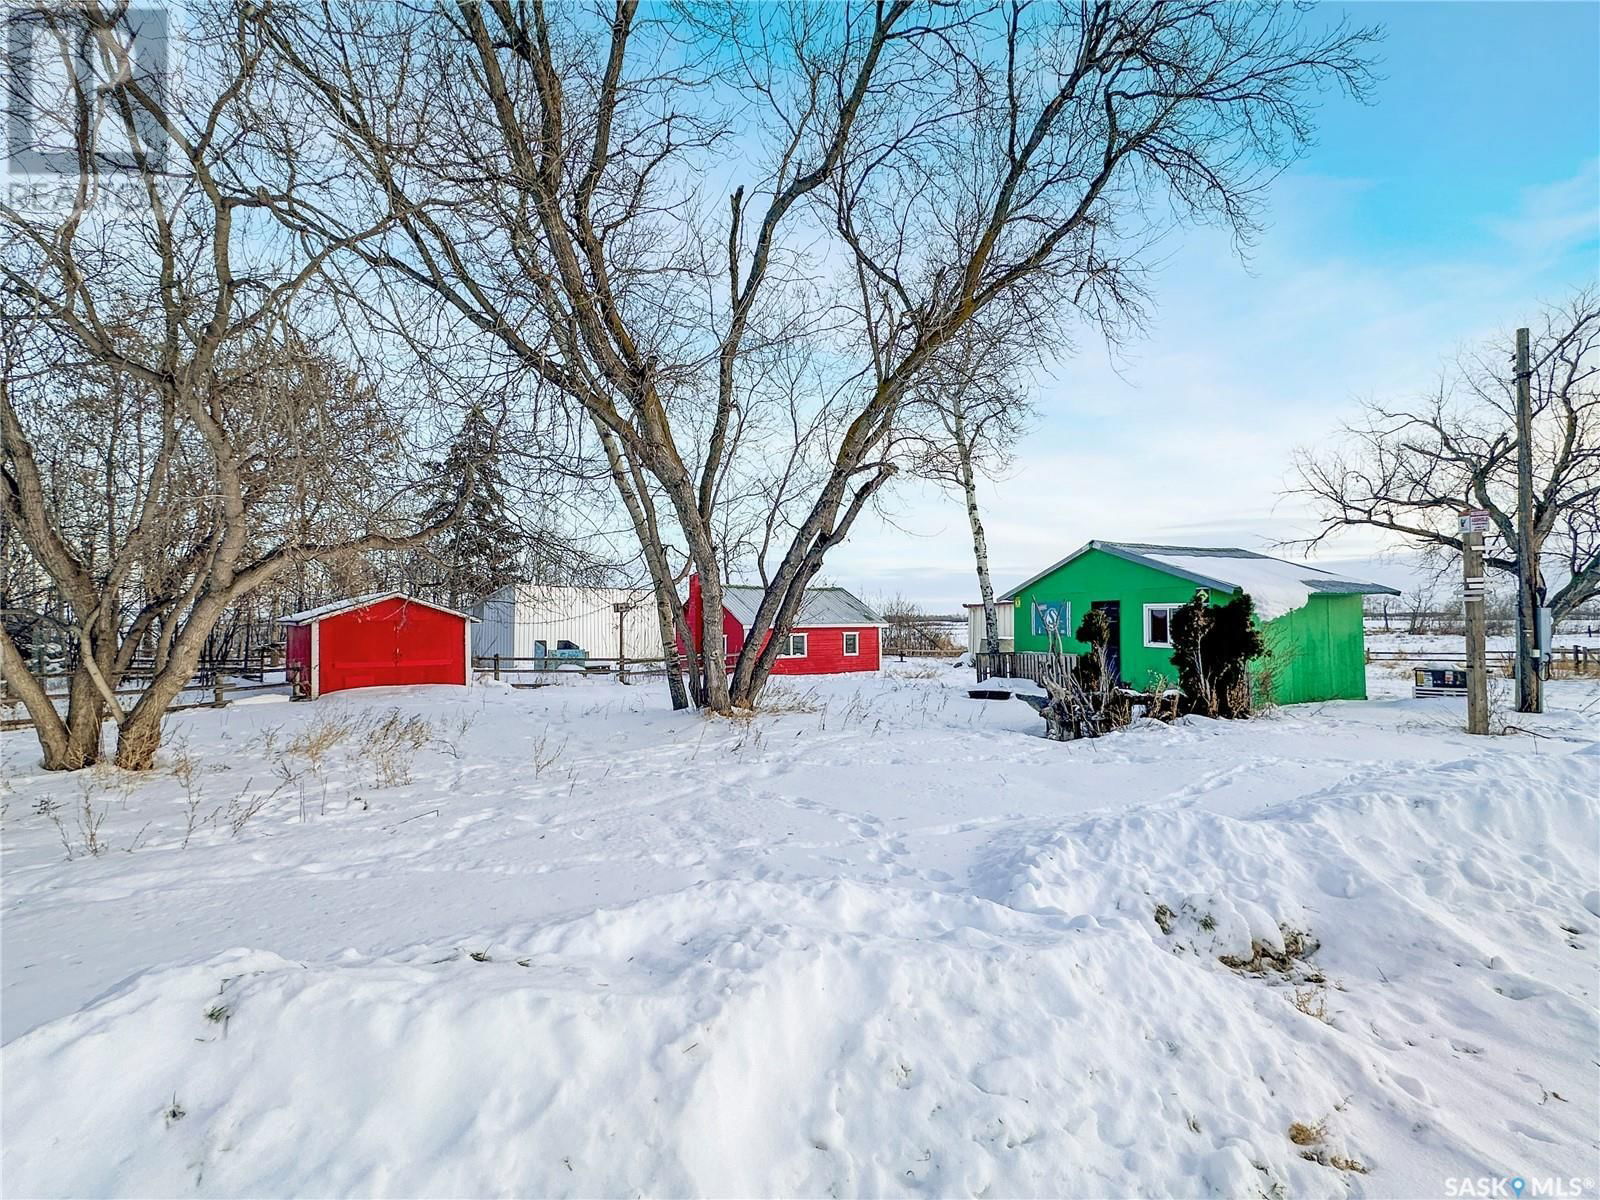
(1318, 651)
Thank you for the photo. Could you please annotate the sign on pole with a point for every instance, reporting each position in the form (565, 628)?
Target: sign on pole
(1472, 594)
(1475, 520)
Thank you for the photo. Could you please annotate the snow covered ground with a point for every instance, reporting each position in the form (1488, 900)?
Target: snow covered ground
(452, 941)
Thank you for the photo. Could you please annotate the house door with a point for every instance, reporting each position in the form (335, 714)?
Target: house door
(1113, 612)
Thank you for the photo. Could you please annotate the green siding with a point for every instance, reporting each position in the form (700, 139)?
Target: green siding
(1318, 650)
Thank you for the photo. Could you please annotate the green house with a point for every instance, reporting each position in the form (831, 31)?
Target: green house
(1310, 618)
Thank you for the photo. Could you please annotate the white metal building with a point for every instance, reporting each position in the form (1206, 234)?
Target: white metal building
(517, 617)
(1005, 618)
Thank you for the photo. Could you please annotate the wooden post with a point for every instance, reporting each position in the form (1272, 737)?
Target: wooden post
(622, 650)
(1472, 590)
(497, 668)
(218, 688)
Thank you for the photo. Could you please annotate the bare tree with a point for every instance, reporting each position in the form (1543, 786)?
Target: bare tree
(228, 437)
(1412, 469)
(556, 175)
(968, 411)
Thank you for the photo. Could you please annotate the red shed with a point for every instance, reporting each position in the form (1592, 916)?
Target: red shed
(833, 632)
(370, 641)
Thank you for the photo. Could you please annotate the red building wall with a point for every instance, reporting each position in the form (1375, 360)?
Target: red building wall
(390, 642)
(825, 653)
(692, 609)
(824, 646)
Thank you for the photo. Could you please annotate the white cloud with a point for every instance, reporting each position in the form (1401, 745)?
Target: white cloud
(1189, 439)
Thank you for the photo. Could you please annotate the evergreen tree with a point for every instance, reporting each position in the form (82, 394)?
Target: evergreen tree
(483, 550)
(1094, 631)
(1212, 649)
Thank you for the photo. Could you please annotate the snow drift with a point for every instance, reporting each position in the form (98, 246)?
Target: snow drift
(1042, 1034)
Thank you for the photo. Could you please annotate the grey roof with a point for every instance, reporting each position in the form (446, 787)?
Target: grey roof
(1148, 554)
(333, 609)
(819, 606)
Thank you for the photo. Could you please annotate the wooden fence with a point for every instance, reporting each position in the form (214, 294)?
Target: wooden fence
(1034, 665)
(1576, 660)
(548, 668)
(221, 691)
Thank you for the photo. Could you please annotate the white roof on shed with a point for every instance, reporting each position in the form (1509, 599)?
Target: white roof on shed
(350, 604)
(819, 606)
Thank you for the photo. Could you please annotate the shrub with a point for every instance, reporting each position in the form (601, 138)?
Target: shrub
(1212, 649)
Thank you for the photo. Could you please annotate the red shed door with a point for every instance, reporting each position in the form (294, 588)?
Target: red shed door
(391, 642)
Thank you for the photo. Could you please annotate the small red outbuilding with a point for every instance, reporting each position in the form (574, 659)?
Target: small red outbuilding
(833, 632)
(372, 641)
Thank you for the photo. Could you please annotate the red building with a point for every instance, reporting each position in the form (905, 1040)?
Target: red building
(833, 631)
(371, 641)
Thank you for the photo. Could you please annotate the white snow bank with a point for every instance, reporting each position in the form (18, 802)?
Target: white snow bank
(736, 1039)
(811, 1037)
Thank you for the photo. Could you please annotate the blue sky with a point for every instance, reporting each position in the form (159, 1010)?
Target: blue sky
(1442, 214)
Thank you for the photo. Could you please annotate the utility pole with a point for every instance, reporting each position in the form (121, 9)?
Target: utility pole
(1530, 689)
(1472, 592)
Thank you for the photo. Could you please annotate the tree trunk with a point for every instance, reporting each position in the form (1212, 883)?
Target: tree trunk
(139, 733)
(1531, 663)
(668, 611)
(822, 530)
(980, 543)
(86, 712)
(718, 698)
(60, 752)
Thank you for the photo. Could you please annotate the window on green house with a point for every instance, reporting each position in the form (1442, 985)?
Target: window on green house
(1158, 625)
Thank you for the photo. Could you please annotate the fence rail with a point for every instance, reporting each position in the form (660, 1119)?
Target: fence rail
(221, 694)
(1034, 665)
(621, 669)
(1579, 660)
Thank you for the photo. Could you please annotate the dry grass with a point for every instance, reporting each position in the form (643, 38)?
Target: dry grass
(1313, 1001)
(1302, 1134)
(319, 738)
(777, 699)
(391, 743)
(1312, 1138)
(1298, 945)
(386, 742)
(547, 752)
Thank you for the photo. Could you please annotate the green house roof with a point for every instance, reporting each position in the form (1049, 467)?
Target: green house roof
(1223, 568)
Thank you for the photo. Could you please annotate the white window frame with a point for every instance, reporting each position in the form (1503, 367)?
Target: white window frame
(848, 634)
(724, 647)
(788, 646)
(1148, 609)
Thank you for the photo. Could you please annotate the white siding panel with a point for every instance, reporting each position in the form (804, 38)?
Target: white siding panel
(1005, 617)
(495, 630)
(514, 619)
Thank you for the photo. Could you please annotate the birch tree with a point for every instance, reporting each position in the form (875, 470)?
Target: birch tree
(968, 414)
(645, 204)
